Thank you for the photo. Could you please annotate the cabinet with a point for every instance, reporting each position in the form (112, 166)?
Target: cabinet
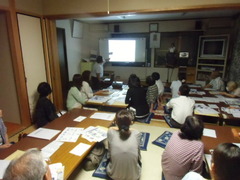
(212, 56)
(86, 66)
(189, 72)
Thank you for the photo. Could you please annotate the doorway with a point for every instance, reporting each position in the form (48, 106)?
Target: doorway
(63, 63)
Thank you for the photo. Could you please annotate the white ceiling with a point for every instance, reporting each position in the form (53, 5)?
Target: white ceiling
(130, 17)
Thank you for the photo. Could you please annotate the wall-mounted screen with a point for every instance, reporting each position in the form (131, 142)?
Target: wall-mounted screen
(123, 50)
(213, 47)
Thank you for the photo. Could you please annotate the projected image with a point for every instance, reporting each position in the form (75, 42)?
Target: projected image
(122, 50)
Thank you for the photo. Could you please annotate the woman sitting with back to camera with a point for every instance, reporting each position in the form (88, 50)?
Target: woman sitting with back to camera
(124, 149)
(86, 88)
(184, 150)
(76, 98)
(136, 97)
(45, 110)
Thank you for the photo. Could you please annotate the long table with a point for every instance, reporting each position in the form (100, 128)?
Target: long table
(219, 118)
(70, 161)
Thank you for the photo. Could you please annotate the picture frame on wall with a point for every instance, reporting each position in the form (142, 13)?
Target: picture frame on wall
(153, 27)
(77, 29)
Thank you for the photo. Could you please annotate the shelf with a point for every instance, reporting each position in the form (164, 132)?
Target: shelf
(210, 64)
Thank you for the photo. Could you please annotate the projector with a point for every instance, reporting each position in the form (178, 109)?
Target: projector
(117, 84)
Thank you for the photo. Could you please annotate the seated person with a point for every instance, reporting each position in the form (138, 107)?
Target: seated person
(76, 98)
(136, 97)
(158, 82)
(182, 107)
(45, 110)
(152, 93)
(184, 150)
(216, 82)
(86, 88)
(30, 165)
(4, 142)
(233, 90)
(124, 148)
(175, 85)
(225, 163)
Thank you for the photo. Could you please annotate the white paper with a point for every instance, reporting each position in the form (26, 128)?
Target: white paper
(79, 118)
(70, 134)
(237, 144)
(94, 134)
(203, 109)
(44, 133)
(80, 149)
(208, 158)
(104, 116)
(50, 149)
(3, 166)
(57, 171)
(209, 133)
(99, 99)
(213, 106)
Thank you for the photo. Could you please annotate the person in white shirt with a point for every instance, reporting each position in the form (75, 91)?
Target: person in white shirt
(97, 73)
(181, 106)
(158, 82)
(233, 90)
(86, 88)
(216, 83)
(176, 84)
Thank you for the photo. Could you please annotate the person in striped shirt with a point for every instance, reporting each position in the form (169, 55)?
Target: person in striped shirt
(184, 151)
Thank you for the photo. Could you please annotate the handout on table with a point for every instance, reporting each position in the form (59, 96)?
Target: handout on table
(94, 134)
(3, 166)
(70, 134)
(80, 149)
(44, 133)
(209, 133)
(57, 171)
(104, 116)
(79, 118)
(50, 149)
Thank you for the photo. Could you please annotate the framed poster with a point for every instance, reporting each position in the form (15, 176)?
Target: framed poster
(153, 27)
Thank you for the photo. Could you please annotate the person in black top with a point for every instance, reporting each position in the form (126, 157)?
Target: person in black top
(45, 110)
(136, 97)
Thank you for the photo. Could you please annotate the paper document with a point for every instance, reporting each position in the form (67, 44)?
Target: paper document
(50, 149)
(80, 149)
(209, 133)
(44, 133)
(95, 134)
(208, 158)
(104, 116)
(57, 171)
(70, 134)
(3, 166)
(79, 118)
(99, 99)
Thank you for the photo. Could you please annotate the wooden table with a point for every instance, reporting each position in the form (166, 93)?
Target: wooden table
(221, 117)
(70, 161)
(112, 103)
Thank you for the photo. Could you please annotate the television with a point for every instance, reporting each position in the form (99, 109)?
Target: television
(213, 48)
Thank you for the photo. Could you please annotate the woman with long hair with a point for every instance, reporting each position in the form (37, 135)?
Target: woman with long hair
(76, 98)
(124, 148)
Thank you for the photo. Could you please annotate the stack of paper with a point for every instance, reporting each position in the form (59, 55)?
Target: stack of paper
(44, 133)
(104, 116)
(94, 134)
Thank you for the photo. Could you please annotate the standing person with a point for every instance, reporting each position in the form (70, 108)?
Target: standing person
(124, 149)
(76, 98)
(152, 93)
(216, 82)
(184, 151)
(29, 166)
(181, 106)
(158, 82)
(175, 85)
(86, 88)
(136, 97)
(4, 142)
(97, 73)
(225, 163)
(45, 110)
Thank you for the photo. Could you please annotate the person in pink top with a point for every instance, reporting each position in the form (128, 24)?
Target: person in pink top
(184, 151)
